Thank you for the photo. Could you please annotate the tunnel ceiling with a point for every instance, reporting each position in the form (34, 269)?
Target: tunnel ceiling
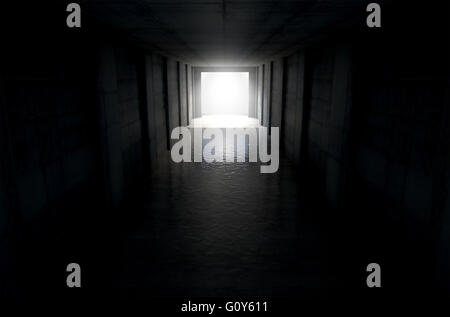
(207, 32)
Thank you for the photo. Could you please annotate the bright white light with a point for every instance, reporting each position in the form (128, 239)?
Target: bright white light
(225, 121)
(224, 93)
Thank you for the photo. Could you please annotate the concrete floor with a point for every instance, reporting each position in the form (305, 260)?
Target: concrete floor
(223, 230)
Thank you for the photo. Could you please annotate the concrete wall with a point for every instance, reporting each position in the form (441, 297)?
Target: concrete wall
(50, 166)
(173, 94)
(197, 93)
(277, 93)
(119, 104)
(267, 90)
(49, 112)
(260, 86)
(443, 217)
(318, 121)
(316, 116)
(252, 94)
(183, 94)
(394, 143)
(399, 137)
(71, 136)
(134, 108)
(373, 139)
(327, 122)
(110, 124)
(190, 92)
(5, 164)
(155, 94)
(130, 123)
(294, 106)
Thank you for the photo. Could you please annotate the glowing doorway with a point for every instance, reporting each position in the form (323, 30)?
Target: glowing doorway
(225, 93)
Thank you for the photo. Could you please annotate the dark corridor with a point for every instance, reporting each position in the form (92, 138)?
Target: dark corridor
(358, 116)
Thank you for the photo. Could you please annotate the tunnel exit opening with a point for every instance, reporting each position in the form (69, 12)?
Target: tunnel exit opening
(224, 97)
(224, 93)
(225, 100)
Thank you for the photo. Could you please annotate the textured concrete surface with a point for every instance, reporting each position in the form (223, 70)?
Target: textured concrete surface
(174, 118)
(217, 32)
(182, 73)
(365, 121)
(294, 108)
(276, 108)
(223, 230)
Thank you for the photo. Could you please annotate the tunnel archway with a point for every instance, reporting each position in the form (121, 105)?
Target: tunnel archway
(225, 93)
(225, 96)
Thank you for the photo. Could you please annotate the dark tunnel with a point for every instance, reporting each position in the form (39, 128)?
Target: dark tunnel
(361, 115)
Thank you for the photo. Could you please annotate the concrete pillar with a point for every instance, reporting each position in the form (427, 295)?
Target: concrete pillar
(252, 95)
(182, 91)
(5, 167)
(173, 94)
(190, 93)
(110, 129)
(300, 108)
(259, 101)
(290, 105)
(442, 218)
(277, 93)
(197, 92)
(267, 94)
(339, 124)
(151, 113)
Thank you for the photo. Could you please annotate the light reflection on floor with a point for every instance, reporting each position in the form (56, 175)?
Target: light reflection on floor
(222, 229)
(224, 121)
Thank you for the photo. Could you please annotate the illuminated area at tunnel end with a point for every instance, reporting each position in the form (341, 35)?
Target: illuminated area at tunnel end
(225, 93)
(224, 100)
